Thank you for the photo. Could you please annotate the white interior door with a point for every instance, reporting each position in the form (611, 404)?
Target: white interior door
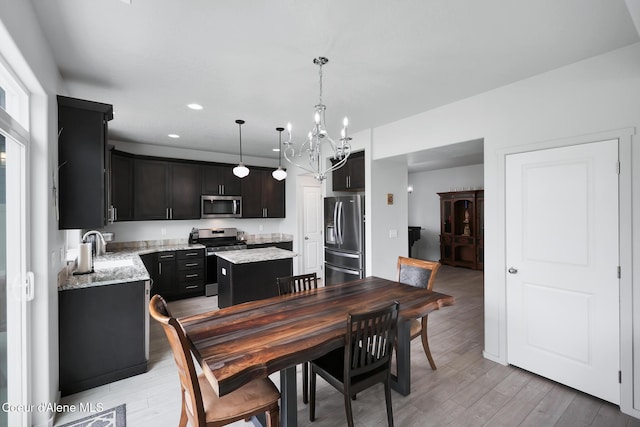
(562, 260)
(312, 228)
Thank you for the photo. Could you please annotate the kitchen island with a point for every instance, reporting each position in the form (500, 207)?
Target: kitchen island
(250, 274)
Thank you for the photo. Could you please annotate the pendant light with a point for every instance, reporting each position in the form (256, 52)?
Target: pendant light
(241, 170)
(279, 173)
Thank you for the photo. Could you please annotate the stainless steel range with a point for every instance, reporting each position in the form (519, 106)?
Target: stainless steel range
(216, 240)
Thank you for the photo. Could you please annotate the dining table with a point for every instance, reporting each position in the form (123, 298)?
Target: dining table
(253, 340)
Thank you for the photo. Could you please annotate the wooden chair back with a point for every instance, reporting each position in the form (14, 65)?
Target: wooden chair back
(182, 356)
(293, 284)
(370, 344)
(417, 272)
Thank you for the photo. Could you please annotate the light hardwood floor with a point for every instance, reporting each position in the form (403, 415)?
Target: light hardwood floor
(465, 390)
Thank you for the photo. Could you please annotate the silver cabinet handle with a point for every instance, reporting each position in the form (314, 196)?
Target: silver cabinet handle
(191, 276)
(191, 254)
(191, 264)
(115, 214)
(512, 270)
(191, 287)
(159, 269)
(166, 256)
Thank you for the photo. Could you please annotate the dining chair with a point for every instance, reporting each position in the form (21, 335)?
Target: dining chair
(419, 273)
(201, 406)
(290, 285)
(365, 359)
(299, 283)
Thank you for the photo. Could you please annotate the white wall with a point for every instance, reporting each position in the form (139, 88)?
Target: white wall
(24, 48)
(424, 203)
(389, 224)
(589, 97)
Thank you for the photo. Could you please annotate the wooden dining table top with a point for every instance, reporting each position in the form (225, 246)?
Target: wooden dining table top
(244, 342)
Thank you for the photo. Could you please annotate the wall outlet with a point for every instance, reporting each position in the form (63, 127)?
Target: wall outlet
(393, 233)
(163, 231)
(260, 227)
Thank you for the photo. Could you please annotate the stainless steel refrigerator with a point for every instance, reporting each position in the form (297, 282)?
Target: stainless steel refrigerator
(343, 239)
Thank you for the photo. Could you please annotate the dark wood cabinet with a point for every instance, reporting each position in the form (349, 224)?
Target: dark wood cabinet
(151, 184)
(165, 282)
(103, 335)
(82, 168)
(166, 190)
(219, 180)
(191, 273)
(147, 188)
(121, 186)
(184, 190)
(350, 177)
(262, 195)
(462, 229)
(177, 274)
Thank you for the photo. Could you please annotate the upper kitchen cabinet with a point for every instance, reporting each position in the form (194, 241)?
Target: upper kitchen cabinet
(166, 189)
(121, 186)
(219, 180)
(262, 195)
(82, 154)
(350, 177)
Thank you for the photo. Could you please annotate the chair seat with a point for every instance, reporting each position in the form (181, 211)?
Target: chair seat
(239, 404)
(416, 328)
(333, 364)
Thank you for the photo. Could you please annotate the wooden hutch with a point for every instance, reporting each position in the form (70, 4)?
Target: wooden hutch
(462, 229)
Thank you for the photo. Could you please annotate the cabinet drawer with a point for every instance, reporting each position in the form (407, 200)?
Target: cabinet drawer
(191, 254)
(166, 256)
(190, 287)
(191, 264)
(445, 239)
(191, 276)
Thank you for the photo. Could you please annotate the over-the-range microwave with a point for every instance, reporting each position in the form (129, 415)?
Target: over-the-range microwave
(221, 207)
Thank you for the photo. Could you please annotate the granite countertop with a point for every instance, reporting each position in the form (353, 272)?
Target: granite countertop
(109, 269)
(122, 265)
(252, 239)
(245, 256)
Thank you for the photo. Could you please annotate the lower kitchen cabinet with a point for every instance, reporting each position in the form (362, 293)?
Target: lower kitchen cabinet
(177, 274)
(103, 334)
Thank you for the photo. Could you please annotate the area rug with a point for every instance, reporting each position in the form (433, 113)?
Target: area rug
(114, 417)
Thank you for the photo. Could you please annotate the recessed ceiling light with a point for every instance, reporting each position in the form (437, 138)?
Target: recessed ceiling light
(173, 135)
(195, 106)
(275, 149)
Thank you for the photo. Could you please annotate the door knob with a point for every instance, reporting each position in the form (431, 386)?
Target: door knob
(512, 270)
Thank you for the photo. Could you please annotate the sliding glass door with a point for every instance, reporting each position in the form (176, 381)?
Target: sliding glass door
(15, 285)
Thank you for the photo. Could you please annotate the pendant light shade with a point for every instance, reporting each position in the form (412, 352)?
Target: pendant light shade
(241, 170)
(279, 173)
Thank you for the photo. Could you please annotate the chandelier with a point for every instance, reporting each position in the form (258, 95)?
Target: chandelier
(311, 149)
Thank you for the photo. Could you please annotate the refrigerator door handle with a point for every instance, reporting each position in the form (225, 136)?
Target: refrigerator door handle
(336, 229)
(340, 230)
(344, 270)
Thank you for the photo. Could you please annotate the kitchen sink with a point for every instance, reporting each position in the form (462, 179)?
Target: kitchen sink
(113, 263)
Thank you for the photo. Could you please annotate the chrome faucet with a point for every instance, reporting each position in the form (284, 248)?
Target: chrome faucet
(101, 245)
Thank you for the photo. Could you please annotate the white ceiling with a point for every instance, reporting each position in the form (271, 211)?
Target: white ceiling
(252, 60)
